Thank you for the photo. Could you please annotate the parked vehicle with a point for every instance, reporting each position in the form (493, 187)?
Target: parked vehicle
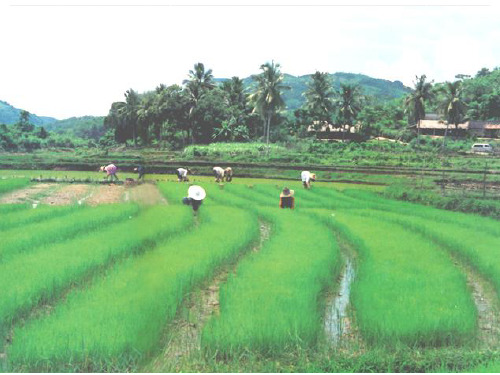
(481, 147)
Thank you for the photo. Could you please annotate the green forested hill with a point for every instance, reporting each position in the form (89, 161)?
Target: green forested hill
(84, 127)
(10, 115)
(379, 88)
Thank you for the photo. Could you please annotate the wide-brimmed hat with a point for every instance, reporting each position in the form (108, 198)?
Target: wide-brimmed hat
(196, 192)
(287, 192)
(102, 168)
(313, 176)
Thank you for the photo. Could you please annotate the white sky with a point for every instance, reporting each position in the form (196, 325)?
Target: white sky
(64, 58)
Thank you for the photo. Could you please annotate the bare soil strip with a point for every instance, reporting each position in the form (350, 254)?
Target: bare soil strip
(30, 194)
(184, 333)
(68, 194)
(145, 194)
(106, 194)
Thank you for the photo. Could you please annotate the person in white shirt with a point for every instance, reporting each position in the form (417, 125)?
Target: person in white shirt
(307, 177)
(182, 174)
(219, 174)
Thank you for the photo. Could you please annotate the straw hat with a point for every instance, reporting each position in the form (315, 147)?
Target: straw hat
(313, 176)
(102, 168)
(196, 192)
(287, 192)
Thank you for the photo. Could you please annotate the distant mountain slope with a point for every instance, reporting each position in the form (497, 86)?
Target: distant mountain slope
(85, 127)
(379, 88)
(10, 115)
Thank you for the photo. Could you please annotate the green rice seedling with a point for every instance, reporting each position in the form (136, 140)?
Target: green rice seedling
(254, 197)
(479, 249)
(304, 198)
(11, 184)
(10, 208)
(479, 223)
(334, 199)
(120, 318)
(58, 229)
(407, 289)
(23, 218)
(48, 270)
(272, 303)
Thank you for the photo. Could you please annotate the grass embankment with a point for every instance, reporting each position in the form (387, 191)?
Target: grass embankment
(119, 319)
(48, 270)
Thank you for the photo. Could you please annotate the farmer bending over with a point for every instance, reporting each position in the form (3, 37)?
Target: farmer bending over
(195, 197)
(287, 200)
(182, 174)
(307, 177)
(141, 171)
(228, 172)
(110, 172)
(219, 174)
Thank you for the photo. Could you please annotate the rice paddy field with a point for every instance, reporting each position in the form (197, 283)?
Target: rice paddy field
(125, 278)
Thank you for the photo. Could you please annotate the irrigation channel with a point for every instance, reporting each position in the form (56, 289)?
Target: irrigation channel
(338, 324)
(183, 335)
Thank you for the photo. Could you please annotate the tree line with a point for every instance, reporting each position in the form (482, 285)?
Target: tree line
(204, 110)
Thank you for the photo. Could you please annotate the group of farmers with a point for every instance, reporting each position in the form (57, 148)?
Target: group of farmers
(196, 194)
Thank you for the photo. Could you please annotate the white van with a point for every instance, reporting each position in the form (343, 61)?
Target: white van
(481, 147)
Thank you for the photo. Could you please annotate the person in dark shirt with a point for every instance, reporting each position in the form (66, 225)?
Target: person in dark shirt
(195, 197)
(287, 200)
(141, 171)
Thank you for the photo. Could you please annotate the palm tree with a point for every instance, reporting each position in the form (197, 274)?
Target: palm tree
(266, 99)
(452, 105)
(348, 104)
(415, 101)
(235, 93)
(319, 97)
(124, 116)
(198, 83)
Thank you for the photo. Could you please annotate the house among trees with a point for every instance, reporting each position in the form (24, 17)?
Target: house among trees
(328, 131)
(433, 125)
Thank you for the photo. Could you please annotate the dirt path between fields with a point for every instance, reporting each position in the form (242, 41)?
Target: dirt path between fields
(184, 333)
(67, 194)
(145, 194)
(487, 306)
(31, 194)
(103, 194)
